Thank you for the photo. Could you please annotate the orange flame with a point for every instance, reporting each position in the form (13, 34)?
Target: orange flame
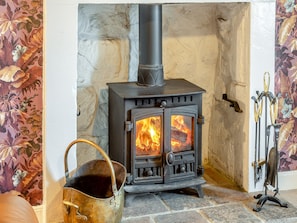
(149, 130)
(148, 136)
(181, 133)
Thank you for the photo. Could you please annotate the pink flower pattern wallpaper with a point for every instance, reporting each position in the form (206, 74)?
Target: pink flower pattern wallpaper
(21, 46)
(286, 81)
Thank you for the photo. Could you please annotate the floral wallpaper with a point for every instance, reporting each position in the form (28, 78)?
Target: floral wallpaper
(21, 42)
(286, 81)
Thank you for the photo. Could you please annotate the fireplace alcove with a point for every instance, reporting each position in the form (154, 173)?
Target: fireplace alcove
(212, 51)
(250, 59)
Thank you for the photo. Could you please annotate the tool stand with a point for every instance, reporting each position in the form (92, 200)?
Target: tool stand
(271, 164)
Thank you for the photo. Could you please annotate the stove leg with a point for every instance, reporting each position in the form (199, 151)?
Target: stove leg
(199, 190)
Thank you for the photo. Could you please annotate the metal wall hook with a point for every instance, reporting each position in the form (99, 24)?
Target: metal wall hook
(233, 103)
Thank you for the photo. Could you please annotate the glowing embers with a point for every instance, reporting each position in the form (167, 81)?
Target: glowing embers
(181, 133)
(148, 136)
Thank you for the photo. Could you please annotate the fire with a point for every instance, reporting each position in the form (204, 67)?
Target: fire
(148, 136)
(181, 133)
(149, 130)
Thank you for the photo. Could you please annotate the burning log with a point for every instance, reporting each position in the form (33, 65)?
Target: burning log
(178, 135)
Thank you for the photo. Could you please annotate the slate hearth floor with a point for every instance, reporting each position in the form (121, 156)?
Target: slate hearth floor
(222, 202)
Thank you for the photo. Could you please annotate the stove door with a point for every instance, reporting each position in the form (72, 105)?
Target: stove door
(180, 143)
(164, 144)
(147, 145)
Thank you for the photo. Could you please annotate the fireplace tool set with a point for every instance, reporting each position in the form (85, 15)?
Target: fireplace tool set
(271, 155)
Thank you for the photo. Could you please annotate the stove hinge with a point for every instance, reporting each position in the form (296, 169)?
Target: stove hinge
(128, 126)
(200, 120)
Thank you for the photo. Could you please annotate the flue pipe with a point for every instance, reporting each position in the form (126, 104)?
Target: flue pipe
(150, 68)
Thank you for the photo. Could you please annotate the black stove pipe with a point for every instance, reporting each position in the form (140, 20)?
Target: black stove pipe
(150, 68)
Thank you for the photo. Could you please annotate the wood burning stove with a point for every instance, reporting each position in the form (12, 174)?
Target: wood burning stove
(156, 133)
(155, 125)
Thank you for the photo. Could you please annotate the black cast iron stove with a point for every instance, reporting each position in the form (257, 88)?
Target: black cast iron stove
(155, 124)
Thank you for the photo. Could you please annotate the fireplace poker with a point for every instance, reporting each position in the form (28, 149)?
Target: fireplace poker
(256, 130)
(257, 164)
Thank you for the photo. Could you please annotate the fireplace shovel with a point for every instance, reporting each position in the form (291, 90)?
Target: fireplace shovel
(95, 192)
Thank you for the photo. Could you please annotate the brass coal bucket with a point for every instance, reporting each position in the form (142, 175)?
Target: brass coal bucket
(95, 191)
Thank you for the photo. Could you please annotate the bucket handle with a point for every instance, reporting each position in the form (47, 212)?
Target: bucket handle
(105, 156)
(78, 214)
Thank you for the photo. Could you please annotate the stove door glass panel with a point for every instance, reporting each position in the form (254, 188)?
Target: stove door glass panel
(182, 133)
(148, 136)
(147, 145)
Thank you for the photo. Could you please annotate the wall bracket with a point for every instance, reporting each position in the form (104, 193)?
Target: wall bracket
(233, 103)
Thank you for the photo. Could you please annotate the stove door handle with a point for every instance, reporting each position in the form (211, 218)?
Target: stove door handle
(170, 158)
